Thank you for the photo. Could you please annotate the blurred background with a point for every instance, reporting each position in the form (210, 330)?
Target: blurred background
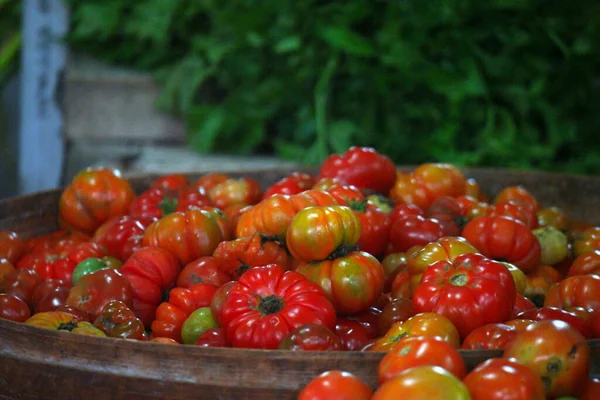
(161, 85)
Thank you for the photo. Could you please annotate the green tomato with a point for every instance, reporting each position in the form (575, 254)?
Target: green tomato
(554, 244)
(86, 267)
(196, 324)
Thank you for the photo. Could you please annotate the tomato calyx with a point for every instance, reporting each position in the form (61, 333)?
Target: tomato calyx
(459, 280)
(358, 205)
(67, 326)
(168, 205)
(341, 251)
(270, 304)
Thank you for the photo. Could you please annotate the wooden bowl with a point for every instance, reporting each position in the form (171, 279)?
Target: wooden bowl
(41, 364)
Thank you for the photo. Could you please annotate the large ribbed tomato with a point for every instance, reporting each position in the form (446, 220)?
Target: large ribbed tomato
(575, 291)
(586, 263)
(120, 236)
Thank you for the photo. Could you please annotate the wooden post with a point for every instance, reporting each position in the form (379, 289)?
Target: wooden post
(41, 144)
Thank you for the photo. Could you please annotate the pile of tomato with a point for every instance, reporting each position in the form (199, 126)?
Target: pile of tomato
(360, 257)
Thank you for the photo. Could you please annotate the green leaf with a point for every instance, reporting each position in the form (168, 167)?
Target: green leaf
(204, 125)
(289, 150)
(342, 38)
(340, 135)
(288, 44)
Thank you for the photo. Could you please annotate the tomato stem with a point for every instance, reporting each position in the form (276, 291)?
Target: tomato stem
(270, 305)
(459, 279)
(67, 326)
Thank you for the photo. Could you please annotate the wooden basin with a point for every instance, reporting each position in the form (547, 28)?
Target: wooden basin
(41, 364)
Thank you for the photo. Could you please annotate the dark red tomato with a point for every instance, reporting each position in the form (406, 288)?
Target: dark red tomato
(489, 337)
(575, 291)
(192, 197)
(118, 321)
(447, 211)
(49, 288)
(58, 242)
(20, 283)
(174, 182)
(397, 310)
(213, 337)
(216, 303)
(586, 263)
(369, 318)
(403, 210)
(13, 308)
(553, 313)
(12, 247)
(375, 224)
(311, 337)
(336, 385)
(414, 230)
(362, 167)
(120, 236)
(354, 335)
(522, 304)
(503, 379)
(591, 391)
(205, 269)
(5, 268)
(55, 299)
(593, 323)
(292, 184)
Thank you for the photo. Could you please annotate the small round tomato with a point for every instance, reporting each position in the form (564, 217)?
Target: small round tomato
(213, 337)
(504, 379)
(13, 308)
(49, 295)
(489, 337)
(517, 193)
(336, 385)
(12, 247)
(589, 241)
(423, 382)
(556, 352)
(397, 310)
(354, 335)
(196, 324)
(311, 337)
(414, 230)
(87, 266)
(554, 245)
(417, 351)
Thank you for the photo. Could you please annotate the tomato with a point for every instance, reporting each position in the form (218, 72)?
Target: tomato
(517, 193)
(58, 242)
(393, 264)
(504, 379)
(272, 216)
(353, 334)
(556, 352)
(5, 268)
(586, 263)
(369, 318)
(403, 283)
(345, 194)
(120, 236)
(489, 337)
(473, 189)
(204, 269)
(522, 304)
(49, 295)
(519, 210)
(575, 291)
(237, 256)
(294, 183)
(171, 314)
(417, 351)
(87, 266)
(311, 337)
(589, 241)
(504, 239)
(414, 230)
(362, 167)
(375, 227)
(21, 283)
(591, 390)
(175, 182)
(554, 245)
(336, 385)
(63, 322)
(397, 310)
(471, 291)
(94, 290)
(539, 282)
(151, 271)
(576, 230)
(593, 324)
(198, 322)
(316, 232)
(519, 323)
(163, 340)
(403, 210)
(423, 324)
(553, 216)
(267, 303)
(428, 182)
(423, 382)
(213, 337)
(472, 208)
(13, 308)
(94, 196)
(118, 321)
(352, 282)
(235, 191)
(188, 235)
(12, 247)
(518, 276)
(218, 299)
(553, 313)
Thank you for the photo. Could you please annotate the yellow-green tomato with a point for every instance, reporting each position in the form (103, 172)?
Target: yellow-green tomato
(316, 232)
(518, 276)
(196, 324)
(554, 244)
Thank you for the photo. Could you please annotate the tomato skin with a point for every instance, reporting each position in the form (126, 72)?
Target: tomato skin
(575, 291)
(203, 270)
(353, 334)
(316, 232)
(12, 247)
(506, 239)
(393, 264)
(175, 182)
(13, 308)
(234, 191)
(362, 167)
(556, 352)
(504, 379)
(311, 337)
(64, 322)
(589, 241)
(586, 263)
(591, 391)
(522, 304)
(49, 295)
(198, 322)
(397, 310)
(519, 210)
(423, 382)
(345, 194)
(267, 303)
(472, 208)
(120, 236)
(414, 230)
(92, 197)
(553, 216)
(420, 351)
(352, 282)
(539, 282)
(118, 321)
(554, 313)
(518, 194)
(213, 337)
(375, 227)
(336, 385)
(471, 291)
(5, 268)
(489, 337)
(294, 183)
(21, 283)
(187, 235)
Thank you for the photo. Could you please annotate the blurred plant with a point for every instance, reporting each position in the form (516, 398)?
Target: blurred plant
(508, 83)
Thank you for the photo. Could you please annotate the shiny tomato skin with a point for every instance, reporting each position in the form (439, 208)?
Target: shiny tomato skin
(235, 191)
(397, 310)
(554, 313)
(586, 263)
(504, 379)
(175, 182)
(336, 385)
(588, 241)
(516, 193)
(375, 227)
(120, 236)
(204, 269)
(518, 210)
(213, 337)
(362, 167)
(13, 308)
(489, 337)
(294, 183)
(414, 230)
(522, 304)
(118, 321)
(556, 352)
(591, 391)
(354, 335)
(63, 322)
(575, 291)
(21, 283)
(553, 216)
(12, 247)
(5, 268)
(420, 351)
(311, 337)
(206, 182)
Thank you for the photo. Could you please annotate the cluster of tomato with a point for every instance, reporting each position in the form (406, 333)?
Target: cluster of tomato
(361, 257)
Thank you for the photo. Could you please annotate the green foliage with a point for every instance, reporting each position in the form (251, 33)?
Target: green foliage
(10, 37)
(510, 83)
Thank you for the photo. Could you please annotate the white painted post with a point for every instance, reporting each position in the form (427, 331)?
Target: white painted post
(41, 143)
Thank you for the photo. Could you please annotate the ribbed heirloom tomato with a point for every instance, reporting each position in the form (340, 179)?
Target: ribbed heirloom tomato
(63, 322)
(575, 291)
(120, 236)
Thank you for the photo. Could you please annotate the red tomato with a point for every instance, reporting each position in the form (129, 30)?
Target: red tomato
(403, 210)
(12, 247)
(120, 236)
(586, 263)
(553, 313)
(505, 239)
(353, 334)
(5, 268)
(294, 183)
(591, 391)
(418, 351)
(49, 295)
(208, 181)
(267, 303)
(174, 182)
(472, 208)
(234, 191)
(375, 227)
(345, 194)
(213, 337)
(523, 304)
(504, 379)
(205, 269)
(362, 167)
(489, 337)
(336, 385)
(216, 303)
(397, 310)
(21, 283)
(557, 353)
(447, 211)
(521, 211)
(58, 242)
(575, 291)
(13, 308)
(118, 321)
(516, 193)
(311, 337)
(414, 230)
